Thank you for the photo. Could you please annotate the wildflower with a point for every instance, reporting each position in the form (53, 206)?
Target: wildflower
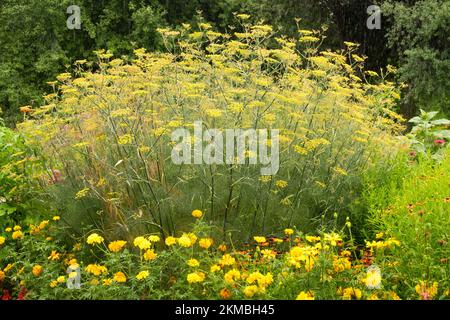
(312, 239)
(225, 294)
(250, 291)
(254, 277)
(8, 229)
(222, 247)
(116, 246)
(372, 279)
(17, 228)
(332, 238)
(120, 277)
(270, 254)
(61, 279)
(439, 142)
(54, 256)
(232, 275)
(215, 268)
(195, 277)
(341, 264)
(260, 239)
(425, 291)
(142, 243)
(348, 293)
(17, 235)
(26, 109)
(150, 255)
(281, 184)
(205, 243)
(197, 214)
(2, 240)
(37, 270)
(288, 232)
(142, 275)
(56, 218)
(154, 238)
(305, 296)
(2, 275)
(107, 282)
(170, 241)
(193, 263)
(8, 267)
(96, 269)
(373, 296)
(185, 241)
(94, 239)
(227, 260)
(53, 283)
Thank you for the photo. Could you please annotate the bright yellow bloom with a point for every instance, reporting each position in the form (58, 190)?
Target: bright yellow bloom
(227, 260)
(142, 275)
(120, 277)
(154, 238)
(54, 256)
(150, 255)
(61, 279)
(8, 229)
(215, 268)
(17, 235)
(116, 246)
(8, 267)
(197, 214)
(56, 218)
(260, 239)
(305, 296)
(185, 241)
(96, 269)
(142, 243)
(17, 228)
(270, 254)
(250, 291)
(2, 275)
(231, 276)
(288, 232)
(341, 264)
(193, 237)
(170, 241)
(37, 270)
(193, 263)
(205, 243)
(195, 277)
(426, 291)
(94, 239)
(2, 240)
(53, 284)
(107, 282)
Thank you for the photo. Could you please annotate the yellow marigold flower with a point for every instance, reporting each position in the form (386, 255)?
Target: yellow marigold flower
(170, 241)
(37, 270)
(227, 260)
(61, 279)
(107, 282)
(9, 229)
(96, 269)
(426, 291)
(193, 263)
(116, 246)
(2, 275)
(94, 239)
(260, 239)
(2, 240)
(305, 296)
(333, 238)
(185, 241)
(54, 256)
(154, 238)
(195, 277)
(25, 109)
(225, 294)
(265, 280)
(231, 276)
(205, 243)
(53, 284)
(142, 275)
(197, 214)
(56, 218)
(142, 243)
(17, 228)
(269, 253)
(120, 277)
(341, 264)
(254, 277)
(250, 291)
(150, 255)
(288, 232)
(17, 235)
(222, 247)
(380, 235)
(215, 268)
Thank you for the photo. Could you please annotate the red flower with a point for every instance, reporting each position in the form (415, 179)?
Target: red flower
(439, 142)
(6, 295)
(22, 293)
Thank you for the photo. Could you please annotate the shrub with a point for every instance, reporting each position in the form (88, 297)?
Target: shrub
(109, 131)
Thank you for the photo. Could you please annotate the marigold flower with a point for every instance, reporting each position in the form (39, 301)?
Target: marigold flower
(227, 260)
(94, 239)
(53, 283)
(142, 243)
(107, 282)
(193, 263)
(215, 268)
(116, 246)
(195, 277)
(17, 228)
(2, 276)
(37, 270)
(205, 243)
(185, 241)
(61, 279)
(250, 291)
(231, 276)
(96, 269)
(197, 214)
(2, 240)
(426, 291)
(170, 241)
(305, 296)
(9, 229)
(225, 294)
(142, 275)
(154, 238)
(288, 232)
(17, 235)
(120, 277)
(150, 255)
(56, 218)
(25, 109)
(260, 239)
(54, 256)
